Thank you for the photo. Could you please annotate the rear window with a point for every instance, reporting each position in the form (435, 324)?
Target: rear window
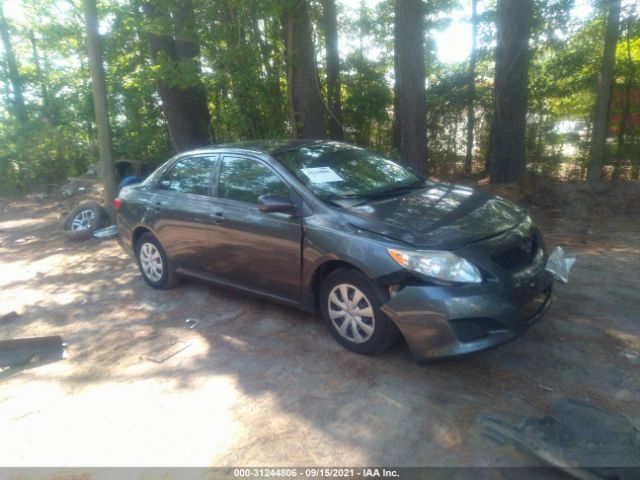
(190, 175)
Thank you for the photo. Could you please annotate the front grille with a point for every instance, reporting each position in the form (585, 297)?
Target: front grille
(520, 256)
(472, 329)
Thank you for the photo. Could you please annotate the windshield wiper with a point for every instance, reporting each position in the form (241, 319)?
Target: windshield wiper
(343, 196)
(335, 199)
(395, 190)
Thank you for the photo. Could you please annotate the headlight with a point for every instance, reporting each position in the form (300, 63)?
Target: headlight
(445, 266)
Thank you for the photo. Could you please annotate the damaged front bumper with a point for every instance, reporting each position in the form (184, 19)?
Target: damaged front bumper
(447, 321)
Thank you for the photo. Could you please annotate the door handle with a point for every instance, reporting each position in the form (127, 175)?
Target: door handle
(217, 217)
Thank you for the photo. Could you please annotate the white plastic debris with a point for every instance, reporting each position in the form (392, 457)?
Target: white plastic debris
(559, 266)
(106, 233)
(191, 322)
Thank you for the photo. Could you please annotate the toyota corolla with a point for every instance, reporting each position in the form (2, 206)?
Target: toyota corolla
(325, 226)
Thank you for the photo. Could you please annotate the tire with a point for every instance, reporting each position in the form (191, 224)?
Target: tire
(84, 220)
(156, 268)
(369, 333)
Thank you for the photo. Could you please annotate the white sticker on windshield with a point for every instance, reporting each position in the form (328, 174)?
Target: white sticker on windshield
(321, 175)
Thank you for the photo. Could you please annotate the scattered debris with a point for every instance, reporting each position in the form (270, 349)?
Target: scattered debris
(106, 233)
(191, 322)
(632, 356)
(130, 180)
(142, 306)
(92, 171)
(30, 351)
(580, 439)
(75, 185)
(66, 191)
(164, 347)
(9, 317)
(24, 240)
(559, 265)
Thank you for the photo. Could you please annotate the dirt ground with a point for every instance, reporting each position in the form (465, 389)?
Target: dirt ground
(255, 383)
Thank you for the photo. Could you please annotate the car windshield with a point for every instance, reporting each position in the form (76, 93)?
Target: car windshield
(333, 170)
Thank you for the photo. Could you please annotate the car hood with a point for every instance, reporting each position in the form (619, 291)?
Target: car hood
(440, 216)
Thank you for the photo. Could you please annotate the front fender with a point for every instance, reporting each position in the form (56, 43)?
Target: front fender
(323, 243)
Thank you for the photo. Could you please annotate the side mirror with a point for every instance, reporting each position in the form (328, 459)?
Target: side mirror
(272, 202)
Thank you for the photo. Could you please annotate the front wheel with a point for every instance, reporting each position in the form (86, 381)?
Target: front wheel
(155, 266)
(350, 306)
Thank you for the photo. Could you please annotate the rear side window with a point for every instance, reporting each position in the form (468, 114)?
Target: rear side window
(190, 175)
(245, 180)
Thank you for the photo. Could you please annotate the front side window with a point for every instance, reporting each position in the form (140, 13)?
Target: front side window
(245, 180)
(189, 175)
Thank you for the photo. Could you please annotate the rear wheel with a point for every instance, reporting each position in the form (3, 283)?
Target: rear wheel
(155, 266)
(350, 305)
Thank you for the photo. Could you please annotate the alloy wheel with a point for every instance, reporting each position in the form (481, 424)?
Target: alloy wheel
(84, 220)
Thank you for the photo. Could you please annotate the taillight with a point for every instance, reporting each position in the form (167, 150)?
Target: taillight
(117, 202)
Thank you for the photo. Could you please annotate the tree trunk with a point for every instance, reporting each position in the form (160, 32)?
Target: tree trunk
(626, 111)
(333, 69)
(410, 78)
(395, 126)
(5, 82)
(287, 35)
(185, 108)
(272, 71)
(539, 133)
(305, 103)
(597, 151)
(20, 110)
(507, 149)
(100, 104)
(455, 143)
(471, 116)
(42, 80)
(188, 49)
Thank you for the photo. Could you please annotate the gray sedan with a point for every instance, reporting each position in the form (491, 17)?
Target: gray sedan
(319, 225)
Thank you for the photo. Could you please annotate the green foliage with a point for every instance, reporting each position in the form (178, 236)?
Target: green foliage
(244, 52)
(563, 80)
(242, 65)
(139, 130)
(367, 101)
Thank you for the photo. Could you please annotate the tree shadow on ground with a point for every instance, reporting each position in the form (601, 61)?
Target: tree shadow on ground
(300, 392)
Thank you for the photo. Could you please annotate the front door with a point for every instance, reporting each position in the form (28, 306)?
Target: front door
(248, 247)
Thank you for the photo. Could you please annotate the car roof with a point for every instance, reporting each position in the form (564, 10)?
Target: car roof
(271, 147)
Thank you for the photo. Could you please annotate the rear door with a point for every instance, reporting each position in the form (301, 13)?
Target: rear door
(248, 247)
(183, 206)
